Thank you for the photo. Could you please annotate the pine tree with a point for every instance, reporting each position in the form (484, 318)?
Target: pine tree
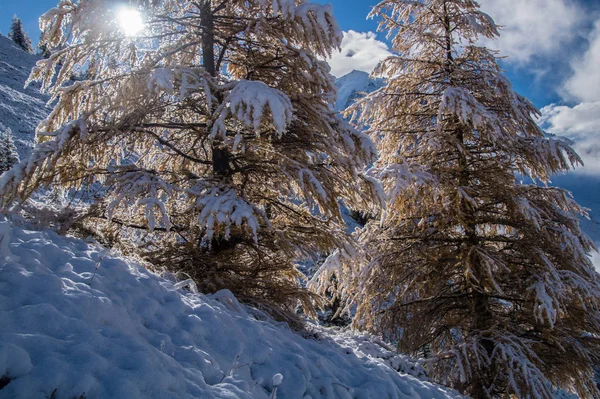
(8, 152)
(472, 259)
(18, 35)
(214, 136)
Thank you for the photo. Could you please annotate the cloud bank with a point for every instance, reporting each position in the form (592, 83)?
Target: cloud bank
(581, 122)
(360, 51)
(584, 85)
(534, 28)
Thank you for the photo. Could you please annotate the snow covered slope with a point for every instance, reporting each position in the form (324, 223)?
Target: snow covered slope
(127, 333)
(20, 109)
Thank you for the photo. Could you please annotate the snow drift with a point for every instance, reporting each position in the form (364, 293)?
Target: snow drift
(77, 321)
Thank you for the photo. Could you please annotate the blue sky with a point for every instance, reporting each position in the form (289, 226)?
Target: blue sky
(553, 49)
(541, 88)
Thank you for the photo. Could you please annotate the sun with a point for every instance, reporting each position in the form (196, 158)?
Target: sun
(130, 21)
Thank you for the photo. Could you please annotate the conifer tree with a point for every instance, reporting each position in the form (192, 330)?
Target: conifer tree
(212, 132)
(8, 152)
(18, 35)
(472, 259)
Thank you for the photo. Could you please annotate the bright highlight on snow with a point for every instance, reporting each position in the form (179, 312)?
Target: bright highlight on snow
(130, 21)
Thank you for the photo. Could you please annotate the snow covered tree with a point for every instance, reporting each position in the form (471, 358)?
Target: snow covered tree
(212, 132)
(8, 152)
(476, 257)
(18, 35)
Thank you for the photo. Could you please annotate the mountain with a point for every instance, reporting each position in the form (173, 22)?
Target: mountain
(21, 108)
(353, 86)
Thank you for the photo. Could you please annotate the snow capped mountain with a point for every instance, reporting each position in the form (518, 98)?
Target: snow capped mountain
(21, 108)
(353, 86)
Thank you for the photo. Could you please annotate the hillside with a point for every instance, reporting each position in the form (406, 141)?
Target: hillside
(79, 321)
(20, 108)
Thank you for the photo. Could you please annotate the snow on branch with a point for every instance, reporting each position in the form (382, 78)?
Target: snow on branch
(339, 267)
(142, 189)
(220, 208)
(255, 105)
(284, 7)
(399, 177)
(547, 301)
(540, 155)
(182, 81)
(521, 370)
(162, 79)
(319, 26)
(460, 102)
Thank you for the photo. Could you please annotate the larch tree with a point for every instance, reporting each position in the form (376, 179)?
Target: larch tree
(211, 132)
(18, 35)
(476, 257)
(8, 152)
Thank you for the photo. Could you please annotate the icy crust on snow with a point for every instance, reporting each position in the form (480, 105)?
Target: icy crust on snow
(128, 333)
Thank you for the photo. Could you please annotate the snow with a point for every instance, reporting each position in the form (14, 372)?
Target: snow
(249, 101)
(222, 206)
(277, 380)
(129, 333)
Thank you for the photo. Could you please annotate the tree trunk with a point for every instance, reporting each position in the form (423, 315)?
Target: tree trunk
(220, 154)
(208, 38)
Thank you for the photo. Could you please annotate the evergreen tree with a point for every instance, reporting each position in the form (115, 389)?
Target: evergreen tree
(18, 35)
(8, 152)
(472, 260)
(213, 133)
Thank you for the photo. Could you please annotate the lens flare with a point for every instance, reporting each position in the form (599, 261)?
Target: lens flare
(130, 21)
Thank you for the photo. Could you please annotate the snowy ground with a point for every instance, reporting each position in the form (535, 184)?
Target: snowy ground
(128, 333)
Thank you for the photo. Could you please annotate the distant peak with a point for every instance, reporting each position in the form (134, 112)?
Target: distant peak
(356, 72)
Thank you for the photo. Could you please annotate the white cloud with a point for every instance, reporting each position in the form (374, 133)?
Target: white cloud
(584, 85)
(360, 51)
(533, 28)
(581, 124)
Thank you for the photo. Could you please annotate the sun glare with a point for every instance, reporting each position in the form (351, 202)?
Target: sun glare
(130, 21)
